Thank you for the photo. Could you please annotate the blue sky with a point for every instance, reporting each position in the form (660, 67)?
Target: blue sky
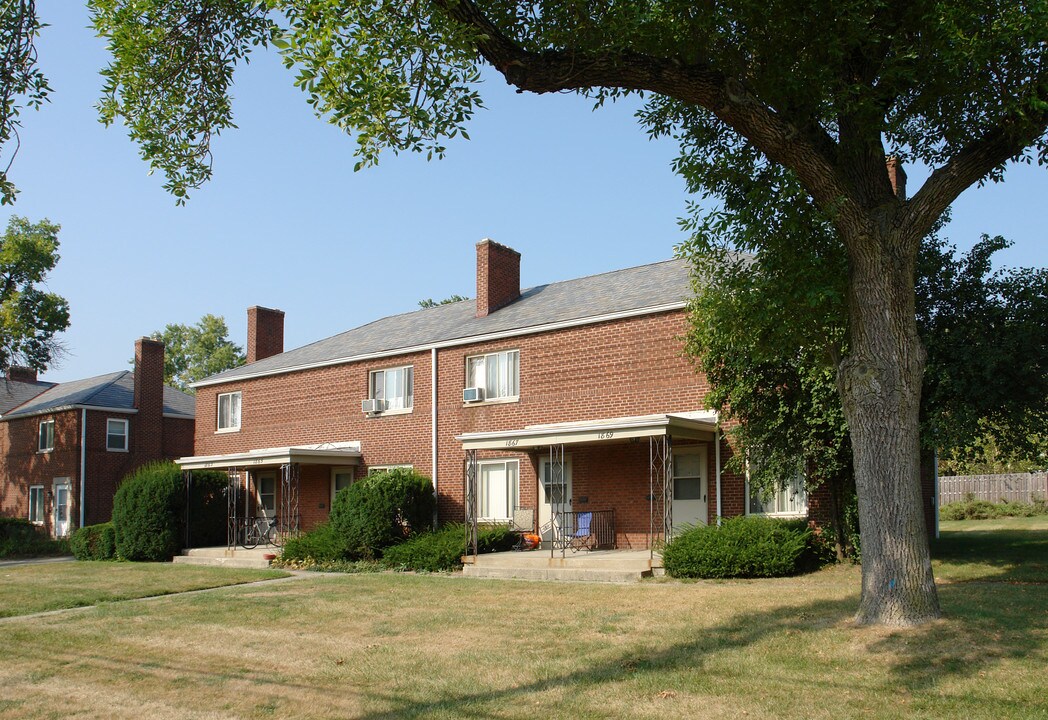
(286, 223)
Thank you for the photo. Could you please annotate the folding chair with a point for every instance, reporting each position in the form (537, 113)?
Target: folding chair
(582, 538)
(523, 522)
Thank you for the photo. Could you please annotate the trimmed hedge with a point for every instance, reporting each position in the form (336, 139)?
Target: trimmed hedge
(382, 510)
(21, 538)
(741, 547)
(972, 509)
(320, 545)
(443, 550)
(94, 542)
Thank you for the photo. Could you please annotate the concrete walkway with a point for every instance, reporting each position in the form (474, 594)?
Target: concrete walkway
(36, 561)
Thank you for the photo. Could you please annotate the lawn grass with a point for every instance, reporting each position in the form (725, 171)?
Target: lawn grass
(28, 589)
(387, 646)
(1001, 550)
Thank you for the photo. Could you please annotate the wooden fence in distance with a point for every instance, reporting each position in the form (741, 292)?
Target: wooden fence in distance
(1015, 487)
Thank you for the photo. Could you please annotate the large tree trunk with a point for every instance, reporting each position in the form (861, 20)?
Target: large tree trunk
(880, 386)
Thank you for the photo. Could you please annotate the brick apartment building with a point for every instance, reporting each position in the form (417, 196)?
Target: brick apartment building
(65, 447)
(558, 406)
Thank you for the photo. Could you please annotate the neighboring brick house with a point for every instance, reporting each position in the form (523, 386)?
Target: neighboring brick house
(65, 447)
(572, 400)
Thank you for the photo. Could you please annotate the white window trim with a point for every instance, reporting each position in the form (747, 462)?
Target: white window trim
(218, 413)
(43, 502)
(39, 449)
(375, 469)
(341, 471)
(127, 439)
(785, 515)
(516, 501)
(392, 411)
(495, 400)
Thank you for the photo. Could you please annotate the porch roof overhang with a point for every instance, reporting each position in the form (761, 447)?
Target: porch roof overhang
(334, 454)
(699, 425)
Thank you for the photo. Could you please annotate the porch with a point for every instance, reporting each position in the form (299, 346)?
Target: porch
(624, 483)
(614, 566)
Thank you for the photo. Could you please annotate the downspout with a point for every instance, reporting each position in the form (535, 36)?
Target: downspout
(716, 454)
(83, 462)
(433, 422)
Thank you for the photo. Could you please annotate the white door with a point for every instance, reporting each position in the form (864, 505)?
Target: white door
(554, 493)
(63, 494)
(690, 487)
(266, 495)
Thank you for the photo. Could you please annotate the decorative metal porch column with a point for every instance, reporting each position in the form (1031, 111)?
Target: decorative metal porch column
(288, 519)
(559, 502)
(660, 473)
(469, 500)
(233, 489)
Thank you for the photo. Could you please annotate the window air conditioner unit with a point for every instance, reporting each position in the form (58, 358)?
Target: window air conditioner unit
(373, 406)
(473, 394)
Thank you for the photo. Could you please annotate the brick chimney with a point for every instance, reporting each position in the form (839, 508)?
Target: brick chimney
(265, 333)
(149, 397)
(897, 177)
(498, 276)
(21, 374)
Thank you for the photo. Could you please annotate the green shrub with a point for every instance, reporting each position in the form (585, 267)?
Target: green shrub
(381, 510)
(94, 542)
(321, 544)
(741, 547)
(148, 512)
(21, 538)
(972, 509)
(443, 550)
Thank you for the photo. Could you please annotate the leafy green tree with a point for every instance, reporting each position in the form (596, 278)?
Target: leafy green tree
(818, 93)
(194, 352)
(29, 316)
(431, 303)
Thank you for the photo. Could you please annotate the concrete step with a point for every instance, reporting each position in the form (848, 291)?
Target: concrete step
(570, 574)
(223, 557)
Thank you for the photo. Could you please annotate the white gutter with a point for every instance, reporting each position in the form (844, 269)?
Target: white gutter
(83, 462)
(433, 421)
(716, 451)
(457, 342)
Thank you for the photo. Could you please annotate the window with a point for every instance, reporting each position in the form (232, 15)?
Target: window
(116, 435)
(267, 495)
(498, 373)
(36, 504)
(791, 500)
(229, 411)
(341, 478)
(497, 489)
(47, 436)
(395, 387)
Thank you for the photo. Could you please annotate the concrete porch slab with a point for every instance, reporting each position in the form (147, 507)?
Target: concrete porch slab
(224, 557)
(617, 566)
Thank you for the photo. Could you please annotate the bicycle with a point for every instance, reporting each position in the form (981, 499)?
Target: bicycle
(260, 530)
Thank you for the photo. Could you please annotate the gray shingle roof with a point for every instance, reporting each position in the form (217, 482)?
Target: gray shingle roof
(114, 390)
(572, 300)
(15, 392)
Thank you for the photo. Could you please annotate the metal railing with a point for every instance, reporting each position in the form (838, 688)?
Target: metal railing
(583, 530)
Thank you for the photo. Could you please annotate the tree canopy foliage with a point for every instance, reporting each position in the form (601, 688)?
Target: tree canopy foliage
(30, 316)
(431, 303)
(193, 352)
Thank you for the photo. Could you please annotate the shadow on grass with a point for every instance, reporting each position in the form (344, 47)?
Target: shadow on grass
(992, 556)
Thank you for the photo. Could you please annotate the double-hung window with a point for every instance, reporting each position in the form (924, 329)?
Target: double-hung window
(36, 504)
(394, 387)
(498, 489)
(47, 436)
(789, 500)
(229, 412)
(498, 374)
(116, 435)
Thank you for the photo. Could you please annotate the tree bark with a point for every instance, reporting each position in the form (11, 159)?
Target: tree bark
(880, 385)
